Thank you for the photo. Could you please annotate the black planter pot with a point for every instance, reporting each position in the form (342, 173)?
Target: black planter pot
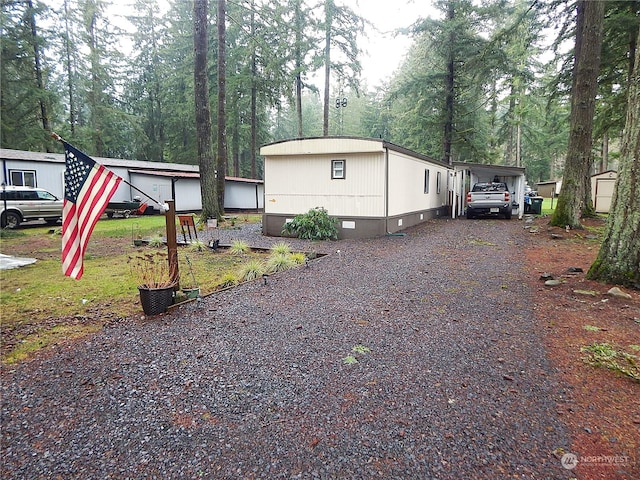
(155, 300)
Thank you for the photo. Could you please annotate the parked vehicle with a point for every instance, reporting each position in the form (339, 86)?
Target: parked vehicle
(21, 204)
(491, 198)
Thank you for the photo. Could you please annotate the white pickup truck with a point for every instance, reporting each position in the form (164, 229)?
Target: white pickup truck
(491, 198)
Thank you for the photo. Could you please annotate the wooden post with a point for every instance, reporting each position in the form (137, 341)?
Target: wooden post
(172, 243)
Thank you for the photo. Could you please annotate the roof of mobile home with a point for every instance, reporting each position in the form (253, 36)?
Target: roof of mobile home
(338, 145)
(160, 169)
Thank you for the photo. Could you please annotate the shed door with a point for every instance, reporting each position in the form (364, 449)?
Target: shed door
(164, 192)
(604, 194)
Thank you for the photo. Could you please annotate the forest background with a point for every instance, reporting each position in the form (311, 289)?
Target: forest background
(494, 74)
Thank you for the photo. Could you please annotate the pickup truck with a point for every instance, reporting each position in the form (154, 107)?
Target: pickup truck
(491, 198)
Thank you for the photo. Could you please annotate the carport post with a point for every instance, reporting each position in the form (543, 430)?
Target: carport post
(172, 243)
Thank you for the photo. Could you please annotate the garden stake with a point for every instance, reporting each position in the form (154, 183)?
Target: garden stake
(193, 277)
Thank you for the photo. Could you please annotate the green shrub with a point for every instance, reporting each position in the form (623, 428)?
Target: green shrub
(279, 263)
(281, 248)
(239, 247)
(251, 270)
(228, 280)
(156, 241)
(197, 246)
(316, 224)
(298, 258)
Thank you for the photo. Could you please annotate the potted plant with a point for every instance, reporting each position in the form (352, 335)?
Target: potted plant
(155, 284)
(137, 238)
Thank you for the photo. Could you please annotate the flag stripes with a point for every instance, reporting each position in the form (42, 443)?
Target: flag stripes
(88, 189)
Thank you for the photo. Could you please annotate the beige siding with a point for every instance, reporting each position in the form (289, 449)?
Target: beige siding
(406, 184)
(296, 182)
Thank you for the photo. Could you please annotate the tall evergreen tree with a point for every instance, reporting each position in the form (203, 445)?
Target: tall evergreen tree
(208, 181)
(26, 102)
(221, 160)
(341, 28)
(575, 195)
(618, 260)
(177, 94)
(143, 94)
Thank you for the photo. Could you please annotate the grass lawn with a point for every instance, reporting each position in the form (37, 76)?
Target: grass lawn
(40, 305)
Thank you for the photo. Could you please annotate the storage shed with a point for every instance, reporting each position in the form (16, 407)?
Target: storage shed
(162, 181)
(549, 189)
(603, 185)
(372, 186)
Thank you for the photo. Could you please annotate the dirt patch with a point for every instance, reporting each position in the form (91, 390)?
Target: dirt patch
(601, 408)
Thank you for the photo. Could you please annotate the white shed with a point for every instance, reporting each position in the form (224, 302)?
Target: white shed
(372, 186)
(603, 185)
(161, 181)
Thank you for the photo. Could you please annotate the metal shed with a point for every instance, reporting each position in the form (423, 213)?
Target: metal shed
(372, 186)
(603, 185)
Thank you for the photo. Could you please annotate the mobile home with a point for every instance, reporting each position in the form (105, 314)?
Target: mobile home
(371, 186)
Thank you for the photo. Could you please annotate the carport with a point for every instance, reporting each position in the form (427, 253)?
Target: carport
(467, 174)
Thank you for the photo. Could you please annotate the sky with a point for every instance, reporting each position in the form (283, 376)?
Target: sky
(385, 51)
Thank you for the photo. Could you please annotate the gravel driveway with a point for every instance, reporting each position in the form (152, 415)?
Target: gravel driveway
(450, 378)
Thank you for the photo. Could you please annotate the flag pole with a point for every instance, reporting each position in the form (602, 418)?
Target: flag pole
(163, 206)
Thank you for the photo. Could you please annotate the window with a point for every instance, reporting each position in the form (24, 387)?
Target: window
(337, 169)
(438, 182)
(426, 180)
(42, 195)
(29, 195)
(8, 195)
(23, 178)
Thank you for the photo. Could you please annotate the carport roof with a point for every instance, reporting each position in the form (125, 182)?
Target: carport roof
(176, 174)
(500, 170)
(165, 173)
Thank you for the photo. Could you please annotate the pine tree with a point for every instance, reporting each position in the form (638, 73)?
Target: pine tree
(618, 260)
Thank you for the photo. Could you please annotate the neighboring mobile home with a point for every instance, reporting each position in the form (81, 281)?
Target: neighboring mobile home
(161, 181)
(371, 186)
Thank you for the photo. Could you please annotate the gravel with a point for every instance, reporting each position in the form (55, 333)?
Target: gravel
(259, 381)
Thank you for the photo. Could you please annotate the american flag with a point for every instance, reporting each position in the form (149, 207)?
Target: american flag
(88, 189)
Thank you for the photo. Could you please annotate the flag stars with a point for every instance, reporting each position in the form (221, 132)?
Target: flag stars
(75, 175)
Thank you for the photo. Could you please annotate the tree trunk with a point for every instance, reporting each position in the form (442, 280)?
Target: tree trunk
(254, 99)
(449, 88)
(604, 160)
(95, 92)
(328, 6)
(575, 196)
(44, 108)
(208, 185)
(235, 140)
(618, 260)
(69, 68)
(298, 55)
(222, 99)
